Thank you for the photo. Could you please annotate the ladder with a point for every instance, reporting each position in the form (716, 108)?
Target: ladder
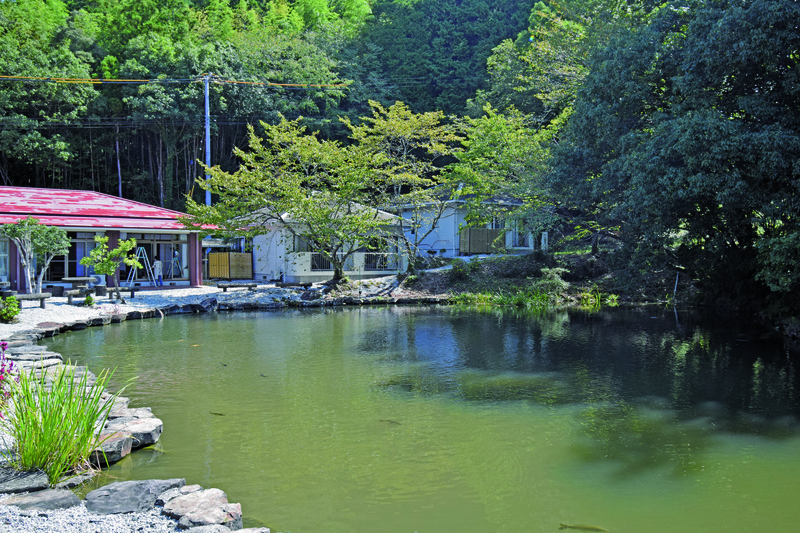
(175, 270)
(133, 275)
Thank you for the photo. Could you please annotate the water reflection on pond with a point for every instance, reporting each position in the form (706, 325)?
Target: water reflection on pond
(443, 419)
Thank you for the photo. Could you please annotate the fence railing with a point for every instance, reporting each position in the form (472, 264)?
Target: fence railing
(371, 262)
(320, 262)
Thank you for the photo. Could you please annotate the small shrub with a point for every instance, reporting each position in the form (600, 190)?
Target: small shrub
(460, 270)
(88, 301)
(9, 309)
(523, 299)
(551, 282)
(591, 298)
(473, 298)
(413, 279)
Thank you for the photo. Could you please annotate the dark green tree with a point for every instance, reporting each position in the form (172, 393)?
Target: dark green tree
(435, 50)
(687, 136)
(36, 113)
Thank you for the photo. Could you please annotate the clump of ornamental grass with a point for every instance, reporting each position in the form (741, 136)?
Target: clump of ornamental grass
(56, 426)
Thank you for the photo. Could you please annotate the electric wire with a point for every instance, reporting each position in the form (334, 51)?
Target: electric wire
(213, 78)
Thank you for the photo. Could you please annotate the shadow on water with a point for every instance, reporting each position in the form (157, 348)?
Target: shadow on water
(644, 396)
(446, 419)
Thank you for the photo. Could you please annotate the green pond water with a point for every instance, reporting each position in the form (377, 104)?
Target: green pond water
(436, 420)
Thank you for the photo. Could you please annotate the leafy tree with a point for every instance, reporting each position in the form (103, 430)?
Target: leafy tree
(504, 156)
(220, 19)
(686, 136)
(37, 245)
(410, 149)
(435, 50)
(106, 261)
(121, 21)
(33, 114)
(540, 72)
(312, 189)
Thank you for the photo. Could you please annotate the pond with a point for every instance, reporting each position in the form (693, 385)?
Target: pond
(417, 419)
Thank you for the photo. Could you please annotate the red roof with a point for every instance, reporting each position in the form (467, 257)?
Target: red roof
(83, 209)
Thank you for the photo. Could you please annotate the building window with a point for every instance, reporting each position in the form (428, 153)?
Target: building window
(4, 266)
(302, 244)
(63, 266)
(170, 249)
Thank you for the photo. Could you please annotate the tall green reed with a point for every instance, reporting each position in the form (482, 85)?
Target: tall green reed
(56, 426)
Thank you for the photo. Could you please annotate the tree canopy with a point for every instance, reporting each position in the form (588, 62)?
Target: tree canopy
(312, 189)
(686, 137)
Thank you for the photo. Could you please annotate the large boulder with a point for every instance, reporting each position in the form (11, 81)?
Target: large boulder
(145, 431)
(209, 305)
(204, 508)
(44, 500)
(129, 496)
(115, 446)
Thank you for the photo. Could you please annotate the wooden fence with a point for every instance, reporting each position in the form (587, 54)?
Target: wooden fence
(481, 241)
(230, 265)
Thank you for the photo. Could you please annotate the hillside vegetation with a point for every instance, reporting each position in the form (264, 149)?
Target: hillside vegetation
(670, 129)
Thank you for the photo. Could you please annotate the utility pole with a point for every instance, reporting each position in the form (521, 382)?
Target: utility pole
(208, 136)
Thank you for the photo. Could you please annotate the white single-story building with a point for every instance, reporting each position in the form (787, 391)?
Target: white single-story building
(280, 255)
(452, 235)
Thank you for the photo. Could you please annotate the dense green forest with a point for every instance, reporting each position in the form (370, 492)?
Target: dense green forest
(141, 130)
(672, 128)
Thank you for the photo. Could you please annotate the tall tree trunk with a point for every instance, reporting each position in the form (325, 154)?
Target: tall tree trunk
(4, 172)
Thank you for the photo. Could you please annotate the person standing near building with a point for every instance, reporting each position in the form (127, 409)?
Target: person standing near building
(158, 272)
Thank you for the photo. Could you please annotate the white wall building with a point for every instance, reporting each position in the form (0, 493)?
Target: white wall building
(452, 237)
(279, 255)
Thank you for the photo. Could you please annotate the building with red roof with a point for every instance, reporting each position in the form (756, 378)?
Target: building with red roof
(85, 214)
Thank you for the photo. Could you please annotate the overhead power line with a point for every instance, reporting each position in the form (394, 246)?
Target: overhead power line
(144, 81)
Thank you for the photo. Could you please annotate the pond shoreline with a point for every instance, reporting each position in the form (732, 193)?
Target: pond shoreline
(151, 302)
(63, 320)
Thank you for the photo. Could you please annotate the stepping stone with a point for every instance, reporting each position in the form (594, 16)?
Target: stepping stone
(12, 481)
(44, 500)
(204, 508)
(145, 431)
(129, 496)
(174, 493)
(116, 446)
(139, 412)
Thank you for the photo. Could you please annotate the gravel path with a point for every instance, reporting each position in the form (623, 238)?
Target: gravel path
(79, 520)
(57, 309)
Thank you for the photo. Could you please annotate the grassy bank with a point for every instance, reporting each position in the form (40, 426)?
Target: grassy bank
(568, 278)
